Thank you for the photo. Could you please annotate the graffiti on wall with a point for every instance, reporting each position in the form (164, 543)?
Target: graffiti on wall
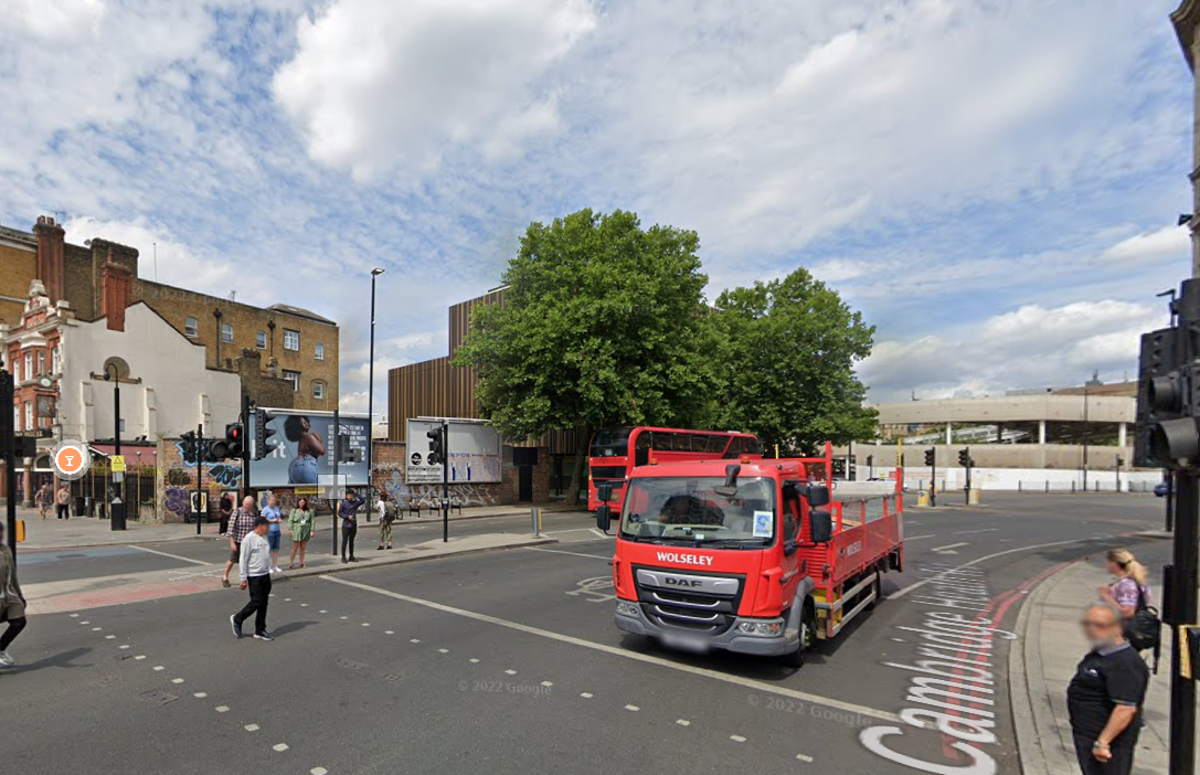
(225, 474)
(177, 501)
(405, 494)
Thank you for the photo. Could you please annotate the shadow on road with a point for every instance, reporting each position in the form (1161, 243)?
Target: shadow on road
(63, 659)
(290, 627)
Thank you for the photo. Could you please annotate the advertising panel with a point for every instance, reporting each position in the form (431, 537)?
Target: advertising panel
(474, 453)
(300, 453)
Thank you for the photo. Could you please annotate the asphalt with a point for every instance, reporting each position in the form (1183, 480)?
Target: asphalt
(516, 667)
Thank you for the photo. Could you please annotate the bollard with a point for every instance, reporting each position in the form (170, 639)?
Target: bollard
(20, 531)
(535, 515)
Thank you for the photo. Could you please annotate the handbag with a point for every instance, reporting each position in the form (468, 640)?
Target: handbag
(1143, 630)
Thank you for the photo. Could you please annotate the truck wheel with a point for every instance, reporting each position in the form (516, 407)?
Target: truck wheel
(877, 590)
(808, 637)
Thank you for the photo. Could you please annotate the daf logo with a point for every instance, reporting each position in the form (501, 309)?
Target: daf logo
(674, 582)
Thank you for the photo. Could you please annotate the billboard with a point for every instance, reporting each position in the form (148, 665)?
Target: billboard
(301, 452)
(474, 453)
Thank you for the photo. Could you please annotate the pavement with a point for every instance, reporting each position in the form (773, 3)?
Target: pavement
(1042, 667)
(93, 531)
(509, 662)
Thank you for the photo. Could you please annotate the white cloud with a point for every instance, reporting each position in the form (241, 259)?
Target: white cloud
(1168, 242)
(375, 85)
(1029, 347)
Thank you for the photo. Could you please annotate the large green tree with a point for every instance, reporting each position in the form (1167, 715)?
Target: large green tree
(601, 325)
(788, 351)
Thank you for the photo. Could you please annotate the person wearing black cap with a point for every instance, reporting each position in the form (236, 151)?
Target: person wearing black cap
(255, 566)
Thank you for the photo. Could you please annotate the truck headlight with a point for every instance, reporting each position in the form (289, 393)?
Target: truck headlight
(769, 628)
(627, 609)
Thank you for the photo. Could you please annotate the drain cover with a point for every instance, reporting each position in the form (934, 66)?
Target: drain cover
(350, 664)
(158, 697)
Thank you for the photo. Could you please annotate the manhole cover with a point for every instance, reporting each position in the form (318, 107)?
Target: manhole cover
(393, 677)
(159, 697)
(350, 664)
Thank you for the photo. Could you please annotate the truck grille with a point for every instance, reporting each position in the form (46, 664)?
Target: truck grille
(696, 602)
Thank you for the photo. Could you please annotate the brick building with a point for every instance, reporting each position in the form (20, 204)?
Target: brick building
(281, 341)
(531, 471)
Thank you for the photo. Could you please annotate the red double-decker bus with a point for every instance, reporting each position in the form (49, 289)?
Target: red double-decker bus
(616, 451)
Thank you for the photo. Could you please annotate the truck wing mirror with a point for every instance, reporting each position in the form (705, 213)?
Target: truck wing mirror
(603, 517)
(730, 488)
(818, 496)
(820, 524)
(604, 493)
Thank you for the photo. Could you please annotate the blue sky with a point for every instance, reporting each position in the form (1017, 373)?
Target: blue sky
(994, 184)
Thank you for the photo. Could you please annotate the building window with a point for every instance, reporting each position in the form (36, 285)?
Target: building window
(320, 354)
(41, 362)
(56, 359)
(318, 390)
(28, 415)
(294, 378)
(260, 340)
(226, 333)
(291, 340)
(191, 327)
(28, 373)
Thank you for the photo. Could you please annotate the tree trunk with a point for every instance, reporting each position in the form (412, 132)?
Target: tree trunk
(584, 437)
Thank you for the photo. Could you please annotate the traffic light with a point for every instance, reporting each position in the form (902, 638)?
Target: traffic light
(262, 434)
(964, 457)
(215, 450)
(436, 452)
(235, 440)
(930, 457)
(190, 451)
(1163, 412)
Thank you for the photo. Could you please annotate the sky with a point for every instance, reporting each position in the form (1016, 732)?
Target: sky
(994, 184)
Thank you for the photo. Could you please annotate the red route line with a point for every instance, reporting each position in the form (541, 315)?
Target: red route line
(1000, 604)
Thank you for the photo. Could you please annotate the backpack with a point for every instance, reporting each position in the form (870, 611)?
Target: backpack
(1143, 630)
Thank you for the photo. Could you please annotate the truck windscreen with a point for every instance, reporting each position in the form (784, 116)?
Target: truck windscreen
(691, 510)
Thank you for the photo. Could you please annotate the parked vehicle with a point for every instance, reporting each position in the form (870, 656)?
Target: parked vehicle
(750, 556)
(1161, 489)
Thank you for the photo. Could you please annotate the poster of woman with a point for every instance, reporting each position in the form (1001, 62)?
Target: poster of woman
(302, 469)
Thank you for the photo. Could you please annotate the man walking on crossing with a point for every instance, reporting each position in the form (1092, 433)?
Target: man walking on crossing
(255, 565)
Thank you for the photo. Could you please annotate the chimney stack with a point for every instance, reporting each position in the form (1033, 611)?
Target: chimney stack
(51, 266)
(115, 294)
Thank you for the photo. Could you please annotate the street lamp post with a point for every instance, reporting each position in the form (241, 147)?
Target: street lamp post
(117, 516)
(371, 399)
(1085, 438)
(8, 445)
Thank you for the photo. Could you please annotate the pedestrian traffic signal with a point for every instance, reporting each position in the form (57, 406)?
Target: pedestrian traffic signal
(235, 440)
(436, 450)
(262, 434)
(930, 457)
(964, 457)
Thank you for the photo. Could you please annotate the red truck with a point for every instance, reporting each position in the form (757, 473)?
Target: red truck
(750, 556)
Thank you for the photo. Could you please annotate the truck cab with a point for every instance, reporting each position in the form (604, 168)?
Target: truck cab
(747, 556)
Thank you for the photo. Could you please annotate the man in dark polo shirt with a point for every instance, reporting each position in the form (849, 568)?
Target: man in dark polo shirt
(1105, 697)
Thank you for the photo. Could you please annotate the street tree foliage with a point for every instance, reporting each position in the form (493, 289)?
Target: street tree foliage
(601, 325)
(787, 354)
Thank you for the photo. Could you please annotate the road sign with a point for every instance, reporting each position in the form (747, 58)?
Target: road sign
(116, 464)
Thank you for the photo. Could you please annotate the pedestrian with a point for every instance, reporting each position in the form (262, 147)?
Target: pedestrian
(300, 522)
(225, 509)
(61, 499)
(12, 602)
(387, 515)
(254, 562)
(274, 516)
(241, 522)
(1131, 586)
(1104, 699)
(348, 511)
(44, 498)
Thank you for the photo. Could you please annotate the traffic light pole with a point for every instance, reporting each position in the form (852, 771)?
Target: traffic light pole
(1183, 611)
(248, 408)
(198, 456)
(445, 482)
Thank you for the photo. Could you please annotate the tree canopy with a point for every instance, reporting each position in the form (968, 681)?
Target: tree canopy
(601, 325)
(788, 351)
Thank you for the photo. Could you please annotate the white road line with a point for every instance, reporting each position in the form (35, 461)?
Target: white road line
(948, 547)
(366, 624)
(74, 616)
(586, 695)
(761, 686)
(574, 554)
(982, 530)
(222, 709)
(389, 632)
(632, 708)
(443, 651)
(140, 657)
(803, 758)
(473, 661)
(200, 695)
(176, 680)
(414, 640)
(918, 538)
(572, 530)
(600, 533)
(683, 722)
(547, 683)
(252, 727)
(510, 672)
(168, 554)
(318, 771)
(159, 668)
(737, 738)
(280, 747)
(917, 585)
(110, 637)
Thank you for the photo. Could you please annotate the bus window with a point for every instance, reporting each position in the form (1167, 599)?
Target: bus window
(611, 442)
(751, 445)
(717, 444)
(644, 441)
